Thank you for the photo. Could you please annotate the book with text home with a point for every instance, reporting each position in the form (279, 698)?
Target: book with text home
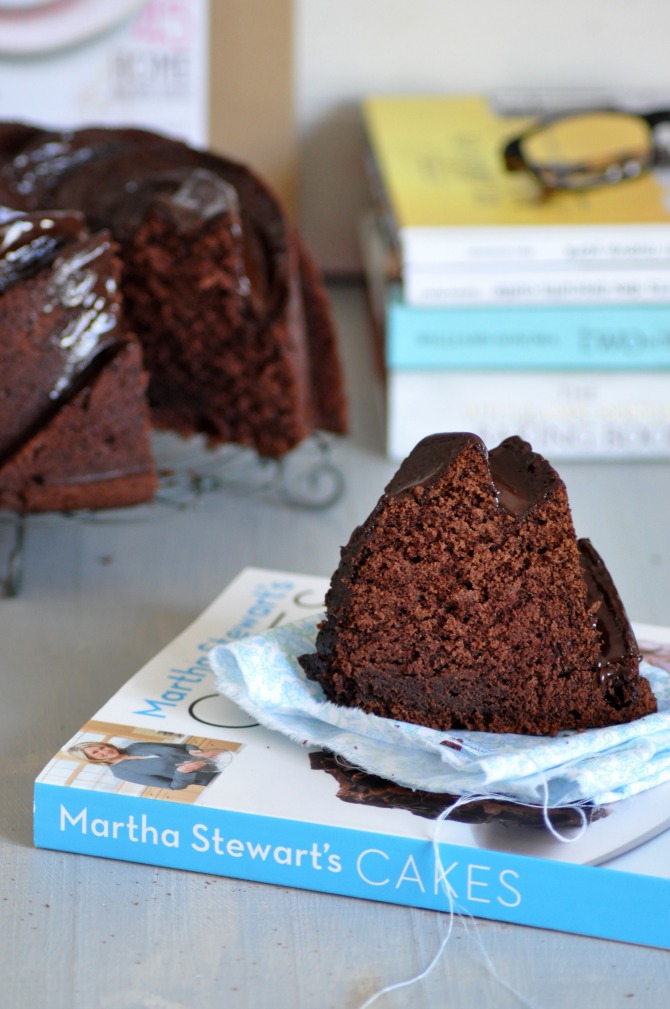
(440, 184)
(248, 803)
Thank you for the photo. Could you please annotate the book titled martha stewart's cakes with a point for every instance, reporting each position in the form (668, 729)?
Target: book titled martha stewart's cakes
(202, 787)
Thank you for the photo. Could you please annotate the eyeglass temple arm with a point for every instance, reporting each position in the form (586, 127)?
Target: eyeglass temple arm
(512, 156)
(656, 118)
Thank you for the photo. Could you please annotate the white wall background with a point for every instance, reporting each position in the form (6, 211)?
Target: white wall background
(346, 49)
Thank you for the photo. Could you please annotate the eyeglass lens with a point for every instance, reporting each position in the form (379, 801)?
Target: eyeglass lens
(601, 143)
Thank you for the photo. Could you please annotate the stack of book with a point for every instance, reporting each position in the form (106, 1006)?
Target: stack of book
(503, 310)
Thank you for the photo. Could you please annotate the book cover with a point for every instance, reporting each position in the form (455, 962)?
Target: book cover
(127, 63)
(196, 784)
(440, 169)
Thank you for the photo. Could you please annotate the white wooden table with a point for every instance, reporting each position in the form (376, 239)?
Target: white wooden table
(97, 601)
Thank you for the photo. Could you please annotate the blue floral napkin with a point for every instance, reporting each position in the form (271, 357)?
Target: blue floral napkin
(263, 676)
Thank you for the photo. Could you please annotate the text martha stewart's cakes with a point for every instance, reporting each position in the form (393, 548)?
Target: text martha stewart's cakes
(466, 601)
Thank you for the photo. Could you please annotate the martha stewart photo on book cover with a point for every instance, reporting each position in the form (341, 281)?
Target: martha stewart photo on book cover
(122, 759)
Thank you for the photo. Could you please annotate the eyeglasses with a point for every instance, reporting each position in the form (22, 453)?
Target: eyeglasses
(581, 150)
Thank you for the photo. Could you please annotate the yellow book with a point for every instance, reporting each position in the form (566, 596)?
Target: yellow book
(440, 165)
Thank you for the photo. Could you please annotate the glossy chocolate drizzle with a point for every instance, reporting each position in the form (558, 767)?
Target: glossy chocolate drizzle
(81, 295)
(29, 241)
(430, 459)
(78, 284)
(617, 639)
(521, 477)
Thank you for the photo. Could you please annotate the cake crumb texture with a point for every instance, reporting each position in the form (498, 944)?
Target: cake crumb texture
(462, 602)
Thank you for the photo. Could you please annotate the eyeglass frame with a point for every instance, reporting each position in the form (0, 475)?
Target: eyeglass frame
(515, 160)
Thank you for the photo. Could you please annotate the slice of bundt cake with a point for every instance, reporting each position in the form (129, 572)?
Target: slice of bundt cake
(465, 601)
(74, 425)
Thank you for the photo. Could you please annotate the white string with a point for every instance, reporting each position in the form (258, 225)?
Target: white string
(547, 819)
(418, 977)
(465, 916)
(490, 966)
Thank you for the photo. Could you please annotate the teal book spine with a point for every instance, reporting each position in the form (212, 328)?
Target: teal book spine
(579, 337)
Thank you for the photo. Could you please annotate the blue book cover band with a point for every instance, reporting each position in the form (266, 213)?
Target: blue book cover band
(399, 870)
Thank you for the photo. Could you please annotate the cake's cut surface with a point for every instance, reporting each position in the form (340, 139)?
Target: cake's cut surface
(465, 601)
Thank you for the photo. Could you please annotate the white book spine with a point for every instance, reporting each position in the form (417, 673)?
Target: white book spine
(524, 245)
(458, 287)
(564, 415)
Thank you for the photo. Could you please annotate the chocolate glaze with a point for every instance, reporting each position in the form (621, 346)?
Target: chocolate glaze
(81, 298)
(29, 241)
(618, 641)
(43, 159)
(357, 786)
(78, 284)
(520, 477)
(430, 459)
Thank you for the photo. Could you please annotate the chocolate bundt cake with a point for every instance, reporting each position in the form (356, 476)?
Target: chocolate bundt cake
(74, 425)
(465, 601)
(236, 332)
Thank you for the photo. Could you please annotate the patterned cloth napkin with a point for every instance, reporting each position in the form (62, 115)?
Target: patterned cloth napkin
(263, 676)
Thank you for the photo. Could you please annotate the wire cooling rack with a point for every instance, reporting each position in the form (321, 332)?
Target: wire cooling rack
(307, 478)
